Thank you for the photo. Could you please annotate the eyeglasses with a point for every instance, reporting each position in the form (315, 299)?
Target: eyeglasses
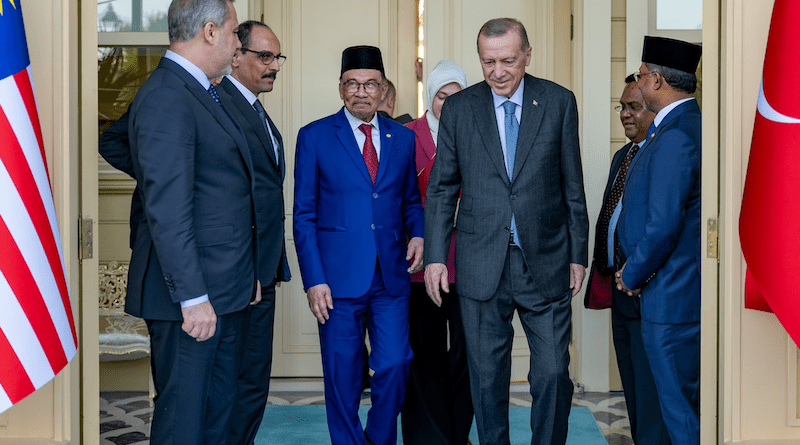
(266, 56)
(640, 74)
(352, 87)
(632, 108)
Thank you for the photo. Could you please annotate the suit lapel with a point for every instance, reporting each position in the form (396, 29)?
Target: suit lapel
(428, 148)
(533, 108)
(386, 147)
(483, 109)
(615, 164)
(252, 117)
(348, 141)
(220, 114)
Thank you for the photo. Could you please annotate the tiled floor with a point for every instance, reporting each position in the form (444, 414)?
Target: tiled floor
(125, 415)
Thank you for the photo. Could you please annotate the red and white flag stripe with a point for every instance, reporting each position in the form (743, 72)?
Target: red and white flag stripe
(37, 331)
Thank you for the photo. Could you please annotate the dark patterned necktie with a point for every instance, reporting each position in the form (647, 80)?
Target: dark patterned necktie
(610, 205)
(213, 92)
(370, 155)
(262, 113)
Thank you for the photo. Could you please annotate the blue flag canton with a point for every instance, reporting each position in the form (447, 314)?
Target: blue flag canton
(13, 45)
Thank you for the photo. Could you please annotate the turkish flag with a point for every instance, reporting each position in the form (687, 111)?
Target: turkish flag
(770, 217)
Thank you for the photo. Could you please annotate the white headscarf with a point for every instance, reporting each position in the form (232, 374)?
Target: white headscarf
(444, 73)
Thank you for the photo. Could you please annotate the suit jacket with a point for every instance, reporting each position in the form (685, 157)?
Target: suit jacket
(659, 228)
(116, 150)
(546, 195)
(426, 151)
(342, 223)
(627, 305)
(269, 174)
(196, 184)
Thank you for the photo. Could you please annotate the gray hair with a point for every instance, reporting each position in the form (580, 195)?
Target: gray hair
(677, 79)
(499, 27)
(187, 17)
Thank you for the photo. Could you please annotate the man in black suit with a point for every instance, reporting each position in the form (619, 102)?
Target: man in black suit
(644, 412)
(510, 144)
(192, 271)
(255, 66)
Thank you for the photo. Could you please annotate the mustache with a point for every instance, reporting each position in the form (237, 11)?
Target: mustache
(271, 75)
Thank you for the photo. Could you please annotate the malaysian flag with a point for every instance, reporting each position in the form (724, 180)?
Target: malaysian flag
(37, 332)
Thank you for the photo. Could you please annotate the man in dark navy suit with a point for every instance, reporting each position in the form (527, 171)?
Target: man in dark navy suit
(192, 271)
(255, 67)
(659, 232)
(647, 424)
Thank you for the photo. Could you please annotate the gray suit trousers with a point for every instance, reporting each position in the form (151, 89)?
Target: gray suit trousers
(489, 334)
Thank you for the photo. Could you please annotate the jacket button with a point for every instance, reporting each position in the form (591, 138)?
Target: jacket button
(513, 196)
(375, 195)
(373, 226)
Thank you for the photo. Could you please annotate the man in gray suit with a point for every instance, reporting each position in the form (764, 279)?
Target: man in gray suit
(510, 144)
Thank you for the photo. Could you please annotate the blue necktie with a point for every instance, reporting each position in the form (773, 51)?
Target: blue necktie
(213, 92)
(512, 134)
(263, 115)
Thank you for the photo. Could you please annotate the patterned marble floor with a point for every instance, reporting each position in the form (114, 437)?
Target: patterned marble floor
(125, 415)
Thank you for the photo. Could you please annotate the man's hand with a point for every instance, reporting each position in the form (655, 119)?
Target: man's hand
(435, 279)
(200, 321)
(622, 286)
(320, 301)
(576, 275)
(414, 254)
(258, 294)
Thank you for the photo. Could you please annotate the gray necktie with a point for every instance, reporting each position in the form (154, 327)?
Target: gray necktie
(263, 115)
(512, 134)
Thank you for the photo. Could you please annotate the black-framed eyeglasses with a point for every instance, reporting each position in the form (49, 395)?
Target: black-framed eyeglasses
(266, 56)
(632, 108)
(640, 74)
(352, 87)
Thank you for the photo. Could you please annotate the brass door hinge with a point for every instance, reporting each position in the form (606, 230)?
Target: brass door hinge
(85, 237)
(712, 247)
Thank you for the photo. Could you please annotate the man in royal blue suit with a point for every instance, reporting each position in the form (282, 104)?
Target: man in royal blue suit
(192, 269)
(641, 398)
(659, 232)
(357, 202)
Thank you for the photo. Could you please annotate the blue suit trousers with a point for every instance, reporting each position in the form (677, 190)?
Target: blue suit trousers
(341, 342)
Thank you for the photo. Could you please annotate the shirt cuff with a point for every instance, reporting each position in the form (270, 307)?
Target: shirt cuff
(194, 301)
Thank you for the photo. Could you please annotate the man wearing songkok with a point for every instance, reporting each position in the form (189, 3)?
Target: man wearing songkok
(659, 232)
(357, 203)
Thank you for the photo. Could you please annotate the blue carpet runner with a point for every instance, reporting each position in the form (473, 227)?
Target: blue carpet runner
(307, 425)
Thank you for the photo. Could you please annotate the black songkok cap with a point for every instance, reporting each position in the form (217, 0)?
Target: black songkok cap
(362, 57)
(671, 53)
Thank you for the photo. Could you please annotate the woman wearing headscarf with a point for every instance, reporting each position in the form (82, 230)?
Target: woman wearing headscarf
(438, 406)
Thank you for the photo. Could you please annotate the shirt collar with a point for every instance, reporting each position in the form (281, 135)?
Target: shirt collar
(665, 111)
(515, 98)
(356, 122)
(190, 68)
(248, 95)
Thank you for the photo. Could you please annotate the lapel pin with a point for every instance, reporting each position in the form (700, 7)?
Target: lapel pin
(535, 103)
(388, 135)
